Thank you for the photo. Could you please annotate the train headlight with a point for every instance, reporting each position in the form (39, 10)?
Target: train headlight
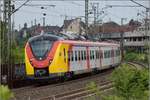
(50, 61)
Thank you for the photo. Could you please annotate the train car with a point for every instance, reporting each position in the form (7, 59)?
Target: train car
(48, 56)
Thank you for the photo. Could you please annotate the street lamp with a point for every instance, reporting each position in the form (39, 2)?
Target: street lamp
(44, 15)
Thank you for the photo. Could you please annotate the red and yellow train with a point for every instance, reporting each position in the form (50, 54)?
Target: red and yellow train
(48, 56)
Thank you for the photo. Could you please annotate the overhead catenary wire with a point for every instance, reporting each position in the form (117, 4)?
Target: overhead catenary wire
(20, 6)
(82, 0)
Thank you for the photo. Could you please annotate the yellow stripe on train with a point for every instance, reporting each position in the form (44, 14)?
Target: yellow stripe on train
(60, 60)
(29, 67)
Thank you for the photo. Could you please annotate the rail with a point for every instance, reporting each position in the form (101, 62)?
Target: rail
(79, 93)
(137, 65)
(34, 93)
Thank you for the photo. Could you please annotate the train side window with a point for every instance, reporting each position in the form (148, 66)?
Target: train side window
(93, 55)
(84, 55)
(105, 54)
(108, 53)
(112, 53)
(79, 55)
(97, 54)
(72, 56)
(69, 55)
(90, 55)
(76, 56)
(116, 53)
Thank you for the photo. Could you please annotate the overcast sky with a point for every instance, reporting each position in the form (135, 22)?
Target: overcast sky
(56, 15)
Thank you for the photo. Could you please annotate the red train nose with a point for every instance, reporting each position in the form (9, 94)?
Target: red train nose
(40, 63)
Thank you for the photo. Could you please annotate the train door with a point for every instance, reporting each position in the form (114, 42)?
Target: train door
(92, 57)
(97, 57)
(112, 56)
(100, 57)
(82, 61)
(107, 57)
(76, 63)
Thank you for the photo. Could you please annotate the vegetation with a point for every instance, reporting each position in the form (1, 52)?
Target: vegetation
(18, 54)
(3, 37)
(5, 93)
(17, 48)
(134, 56)
(129, 84)
(94, 88)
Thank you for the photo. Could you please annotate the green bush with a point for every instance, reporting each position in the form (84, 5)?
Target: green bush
(18, 54)
(5, 93)
(132, 56)
(130, 83)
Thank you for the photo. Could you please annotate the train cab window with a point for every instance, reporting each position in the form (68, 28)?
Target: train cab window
(84, 55)
(76, 56)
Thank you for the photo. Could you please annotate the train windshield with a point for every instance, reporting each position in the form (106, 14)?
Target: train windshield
(40, 48)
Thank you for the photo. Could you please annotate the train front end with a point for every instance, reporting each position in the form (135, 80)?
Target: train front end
(39, 55)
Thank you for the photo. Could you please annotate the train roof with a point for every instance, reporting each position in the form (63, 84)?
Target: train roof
(45, 36)
(72, 42)
(89, 43)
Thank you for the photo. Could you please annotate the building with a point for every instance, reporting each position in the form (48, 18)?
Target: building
(136, 39)
(73, 26)
(36, 30)
(134, 35)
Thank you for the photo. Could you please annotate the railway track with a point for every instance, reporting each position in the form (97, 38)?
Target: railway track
(79, 93)
(137, 65)
(34, 93)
